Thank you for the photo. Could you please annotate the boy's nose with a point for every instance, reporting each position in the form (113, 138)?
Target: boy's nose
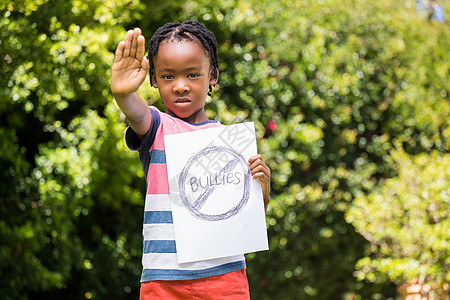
(181, 87)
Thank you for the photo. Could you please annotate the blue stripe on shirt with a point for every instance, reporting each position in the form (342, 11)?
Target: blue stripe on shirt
(157, 217)
(158, 156)
(169, 274)
(160, 246)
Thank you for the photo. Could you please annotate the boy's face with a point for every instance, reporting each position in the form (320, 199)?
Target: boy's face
(182, 75)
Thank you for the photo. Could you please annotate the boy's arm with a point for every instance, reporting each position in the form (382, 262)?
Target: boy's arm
(261, 171)
(128, 72)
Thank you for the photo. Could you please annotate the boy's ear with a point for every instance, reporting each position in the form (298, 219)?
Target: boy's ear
(214, 77)
(154, 83)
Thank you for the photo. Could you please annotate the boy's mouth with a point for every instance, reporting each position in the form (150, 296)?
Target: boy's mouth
(182, 100)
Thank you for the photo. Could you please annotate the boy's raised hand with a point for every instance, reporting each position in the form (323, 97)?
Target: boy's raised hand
(261, 171)
(130, 65)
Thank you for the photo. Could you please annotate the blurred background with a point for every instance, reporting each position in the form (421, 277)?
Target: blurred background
(350, 100)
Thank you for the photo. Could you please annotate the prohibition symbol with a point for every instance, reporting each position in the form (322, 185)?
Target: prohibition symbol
(195, 207)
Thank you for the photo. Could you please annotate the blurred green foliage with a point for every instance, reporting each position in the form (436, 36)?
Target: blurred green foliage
(406, 221)
(343, 81)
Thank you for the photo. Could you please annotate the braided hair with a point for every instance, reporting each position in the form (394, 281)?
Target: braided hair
(187, 30)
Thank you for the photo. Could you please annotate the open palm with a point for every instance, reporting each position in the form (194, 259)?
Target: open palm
(130, 66)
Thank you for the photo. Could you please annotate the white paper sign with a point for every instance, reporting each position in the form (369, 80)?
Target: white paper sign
(217, 207)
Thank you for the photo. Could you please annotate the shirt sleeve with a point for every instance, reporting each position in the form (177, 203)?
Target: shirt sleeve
(132, 140)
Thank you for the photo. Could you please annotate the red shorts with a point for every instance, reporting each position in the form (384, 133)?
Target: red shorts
(233, 285)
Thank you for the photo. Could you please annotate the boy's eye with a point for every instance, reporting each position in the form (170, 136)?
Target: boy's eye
(193, 75)
(166, 76)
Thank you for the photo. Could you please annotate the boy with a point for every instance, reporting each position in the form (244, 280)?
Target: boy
(183, 65)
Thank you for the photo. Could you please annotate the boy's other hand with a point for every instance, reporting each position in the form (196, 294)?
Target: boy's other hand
(261, 171)
(130, 65)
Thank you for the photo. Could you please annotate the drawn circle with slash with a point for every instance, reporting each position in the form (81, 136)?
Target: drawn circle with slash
(195, 207)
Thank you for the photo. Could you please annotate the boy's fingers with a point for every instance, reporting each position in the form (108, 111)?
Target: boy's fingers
(134, 42)
(258, 174)
(128, 41)
(257, 162)
(261, 176)
(261, 170)
(140, 52)
(258, 168)
(253, 158)
(137, 31)
(119, 51)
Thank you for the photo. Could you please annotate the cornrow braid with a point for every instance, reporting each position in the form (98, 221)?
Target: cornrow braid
(187, 30)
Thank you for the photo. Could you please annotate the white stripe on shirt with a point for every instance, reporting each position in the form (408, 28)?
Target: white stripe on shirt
(158, 232)
(157, 202)
(169, 261)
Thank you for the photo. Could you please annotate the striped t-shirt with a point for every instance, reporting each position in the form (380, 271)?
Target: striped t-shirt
(160, 255)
